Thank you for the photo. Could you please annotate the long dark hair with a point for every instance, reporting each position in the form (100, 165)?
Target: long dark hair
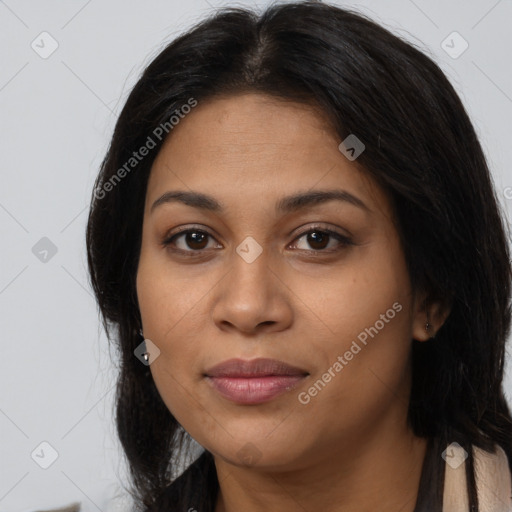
(420, 147)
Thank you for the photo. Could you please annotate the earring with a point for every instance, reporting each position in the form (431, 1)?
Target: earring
(145, 355)
(428, 325)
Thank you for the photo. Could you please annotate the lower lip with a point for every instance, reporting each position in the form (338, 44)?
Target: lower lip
(254, 390)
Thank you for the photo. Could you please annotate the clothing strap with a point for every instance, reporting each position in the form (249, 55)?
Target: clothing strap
(493, 480)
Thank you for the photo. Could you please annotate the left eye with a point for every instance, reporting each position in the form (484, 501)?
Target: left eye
(319, 239)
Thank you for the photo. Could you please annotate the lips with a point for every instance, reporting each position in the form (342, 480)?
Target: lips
(255, 381)
(253, 368)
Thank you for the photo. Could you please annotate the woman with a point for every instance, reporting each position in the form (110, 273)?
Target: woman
(295, 242)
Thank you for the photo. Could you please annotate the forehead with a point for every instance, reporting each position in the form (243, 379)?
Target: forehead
(255, 148)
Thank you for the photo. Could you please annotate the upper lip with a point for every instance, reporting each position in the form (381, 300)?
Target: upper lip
(253, 368)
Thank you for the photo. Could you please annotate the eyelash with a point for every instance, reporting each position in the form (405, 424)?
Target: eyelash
(343, 240)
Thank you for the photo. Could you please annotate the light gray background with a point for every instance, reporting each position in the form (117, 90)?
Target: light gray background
(57, 115)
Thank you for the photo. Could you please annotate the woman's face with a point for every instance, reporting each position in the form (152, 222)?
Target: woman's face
(318, 282)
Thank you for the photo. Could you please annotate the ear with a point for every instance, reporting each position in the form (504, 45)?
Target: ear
(426, 309)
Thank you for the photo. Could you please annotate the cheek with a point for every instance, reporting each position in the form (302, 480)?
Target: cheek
(364, 359)
(355, 295)
(169, 300)
(170, 322)
(172, 315)
(366, 376)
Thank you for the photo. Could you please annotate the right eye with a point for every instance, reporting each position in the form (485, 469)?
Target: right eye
(190, 240)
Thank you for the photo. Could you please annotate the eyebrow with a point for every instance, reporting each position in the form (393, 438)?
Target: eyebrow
(286, 204)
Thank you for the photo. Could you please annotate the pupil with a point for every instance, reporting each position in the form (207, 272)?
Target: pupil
(195, 238)
(317, 238)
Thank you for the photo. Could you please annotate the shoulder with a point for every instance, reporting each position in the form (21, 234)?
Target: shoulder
(493, 481)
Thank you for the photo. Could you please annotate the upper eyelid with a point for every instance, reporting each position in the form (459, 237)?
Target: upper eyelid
(315, 226)
(318, 226)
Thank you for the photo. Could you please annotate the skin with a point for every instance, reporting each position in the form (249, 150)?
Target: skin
(349, 449)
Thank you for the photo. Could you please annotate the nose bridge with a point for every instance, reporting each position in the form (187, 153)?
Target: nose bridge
(250, 294)
(249, 276)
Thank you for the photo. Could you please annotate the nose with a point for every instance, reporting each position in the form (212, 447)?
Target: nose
(252, 298)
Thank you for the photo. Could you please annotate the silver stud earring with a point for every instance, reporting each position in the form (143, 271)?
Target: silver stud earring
(428, 325)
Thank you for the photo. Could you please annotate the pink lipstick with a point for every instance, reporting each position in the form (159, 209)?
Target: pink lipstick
(255, 381)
